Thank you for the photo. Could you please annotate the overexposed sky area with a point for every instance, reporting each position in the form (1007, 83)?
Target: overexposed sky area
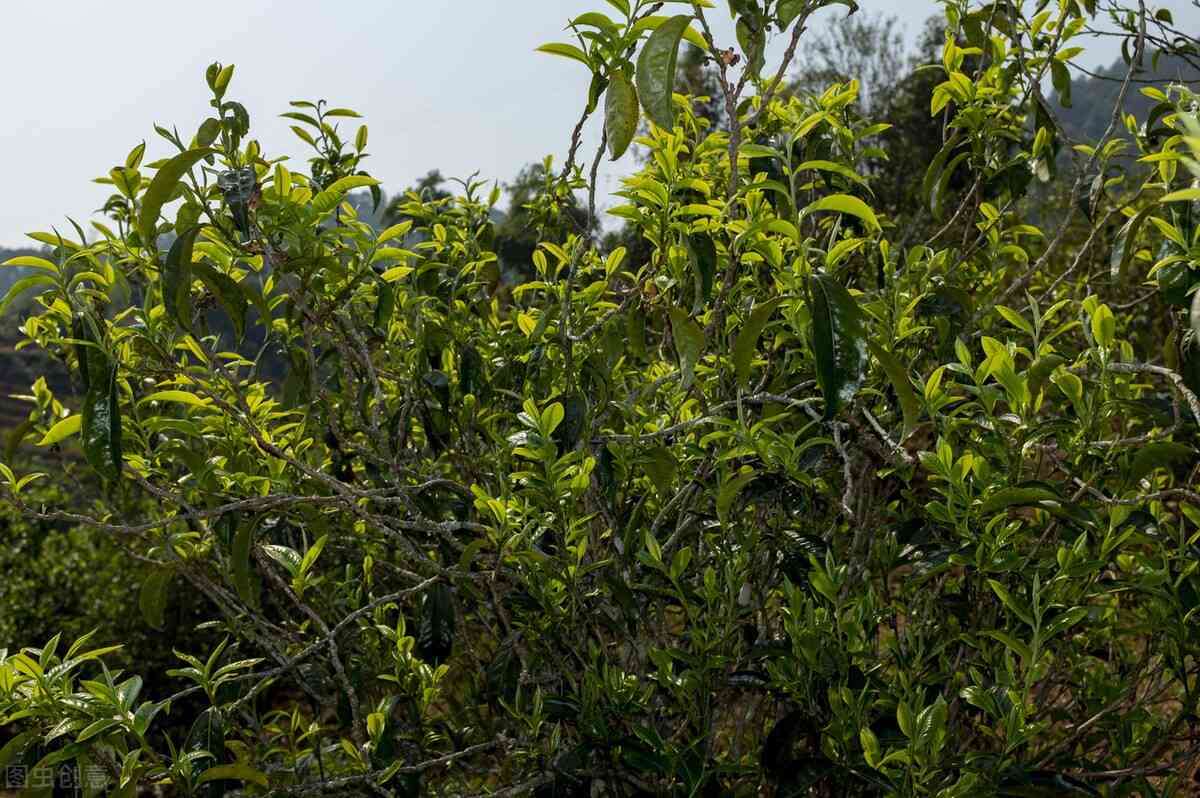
(448, 84)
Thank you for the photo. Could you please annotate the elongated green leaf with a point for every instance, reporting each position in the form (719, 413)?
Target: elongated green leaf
(329, 199)
(435, 635)
(704, 256)
(844, 203)
(689, 343)
(21, 286)
(839, 341)
(1161, 454)
(1195, 315)
(656, 70)
(1018, 607)
(207, 734)
(655, 21)
(159, 191)
(15, 746)
(175, 279)
(835, 168)
(152, 600)
(286, 556)
(243, 580)
(1125, 243)
(1039, 496)
(240, 772)
(181, 397)
(1186, 194)
(1009, 497)
(101, 424)
(31, 262)
(228, 294)
(620, 114)
(747, 340)
(729, 491)
(910, 407)
(566, 51)
(62, 430)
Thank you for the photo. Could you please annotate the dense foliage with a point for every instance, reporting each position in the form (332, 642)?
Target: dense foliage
(799, 493)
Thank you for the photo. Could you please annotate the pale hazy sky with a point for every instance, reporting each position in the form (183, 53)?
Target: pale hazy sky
(447, 84)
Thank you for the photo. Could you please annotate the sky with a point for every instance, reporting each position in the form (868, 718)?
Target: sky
(450, 84)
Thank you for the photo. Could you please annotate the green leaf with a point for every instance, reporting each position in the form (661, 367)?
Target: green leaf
(152, 600)
(566, 51)
(689, 343)
(207, 734)
(62, 430)
(31, 262)
(21, 286)
(101, 424)
(228, 294)
(656, 70)
(435, 635)
(704, 254)
(1125, 243)
(870, 746)
(1018, 607)
(209, 130)
(1015, 319)
(933, 175)
(181, 397)
(897, 374)
(839, 341)
(1195, 315)
(729, 491)
(286, 556)
(1045, 783)
(1161, 454)
(655, 21)
(331, 197)
(161, 187)
(661, 466)
(620, 114)
(1064, 622)
(747, 340)
(241, 772)
(1183, 195)
(15, 746)
(1041, 369)
(175, 279)
(1038, 496)
(243, 582)
(844, 203)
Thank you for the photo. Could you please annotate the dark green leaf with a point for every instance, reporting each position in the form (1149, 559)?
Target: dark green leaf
(227, 293)
(620, 114)
(102, 423)
(656, 70)
(175, 279)
(207, 734)
(239, 772)
(689, 343)
(567, 433)
(1161, 454)
(910, 407)
(435, 635)
(1195, 316)
(161, 187)
(243, 580)
(747, 340)
(704, 255)
(839, 341)
(152, 600)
